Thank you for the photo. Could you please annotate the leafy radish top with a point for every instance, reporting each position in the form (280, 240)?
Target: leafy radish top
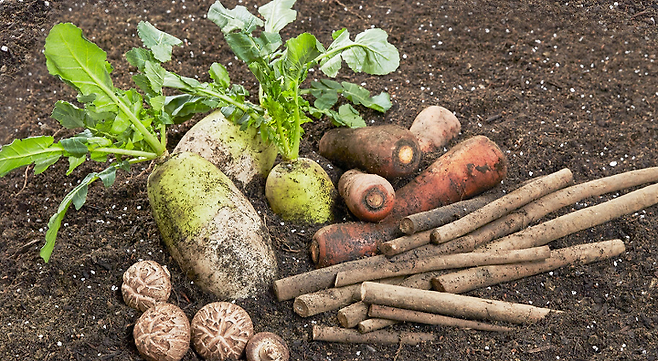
(124, 127)
(281, 68)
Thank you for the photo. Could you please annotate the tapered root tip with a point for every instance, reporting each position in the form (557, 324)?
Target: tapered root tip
(406, 154)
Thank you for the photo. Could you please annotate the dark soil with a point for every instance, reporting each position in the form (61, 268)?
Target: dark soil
(569, 84)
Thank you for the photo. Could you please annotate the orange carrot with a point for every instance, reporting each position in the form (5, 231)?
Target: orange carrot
(387, 150)
(368, 196)
(471, 167)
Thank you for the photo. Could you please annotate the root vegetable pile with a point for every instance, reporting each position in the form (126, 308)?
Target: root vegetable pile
(220, 241)
(376, 292)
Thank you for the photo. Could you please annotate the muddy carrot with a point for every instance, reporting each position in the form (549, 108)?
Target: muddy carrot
(387, 150)
(369, 197)
(502, 206)
(577, 221)
(477, 277)
(469, 168)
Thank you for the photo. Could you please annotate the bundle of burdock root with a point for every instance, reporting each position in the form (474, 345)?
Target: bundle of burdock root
(494, 241)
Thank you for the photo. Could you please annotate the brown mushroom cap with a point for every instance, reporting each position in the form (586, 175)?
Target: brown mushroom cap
(220, 331)
(267, 346)
(162, 333)
(144, 284)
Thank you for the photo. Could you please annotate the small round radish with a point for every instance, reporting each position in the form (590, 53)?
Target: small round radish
(301, 191)
(210, 228)
(368, 196)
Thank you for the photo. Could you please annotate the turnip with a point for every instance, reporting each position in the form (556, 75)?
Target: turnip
(301, 191)
(210, 228)
(434, 127)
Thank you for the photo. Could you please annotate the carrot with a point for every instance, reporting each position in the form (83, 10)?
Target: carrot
(471, 167)
(387, 150)
(468, 169)
(368, 196)
(434, 127)
(340, 242)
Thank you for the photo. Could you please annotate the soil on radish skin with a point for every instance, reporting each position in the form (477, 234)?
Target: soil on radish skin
(554, 84)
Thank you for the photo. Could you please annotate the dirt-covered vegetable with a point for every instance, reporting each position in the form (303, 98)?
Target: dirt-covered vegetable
(301, 191)
(210, 228)
(386, 150)
(123, 127)
(240, 154)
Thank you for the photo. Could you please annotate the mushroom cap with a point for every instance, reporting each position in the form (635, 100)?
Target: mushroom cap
(144, 284)
(267, 346)
(220, 331)
(162, 333)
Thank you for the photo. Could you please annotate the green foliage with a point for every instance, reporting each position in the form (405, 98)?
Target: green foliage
(128, 126)
(281, 69)
(112, 122)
